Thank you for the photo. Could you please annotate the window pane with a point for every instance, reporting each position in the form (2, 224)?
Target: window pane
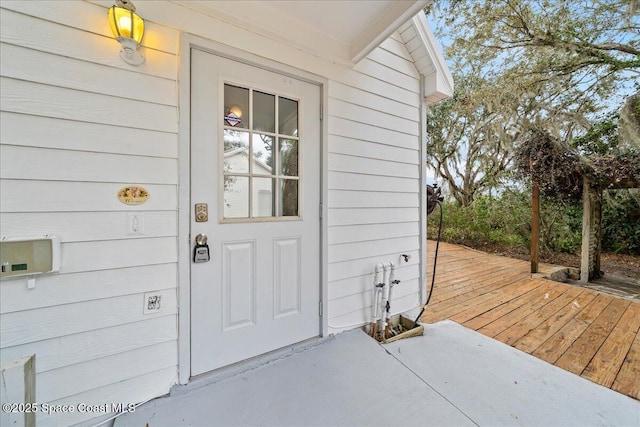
(236, 106)
(264, 112)
(288, 157)
(263, 191)
(236, 196)
(262, 154)
(289, 197)
(287, 117)
(236, 151)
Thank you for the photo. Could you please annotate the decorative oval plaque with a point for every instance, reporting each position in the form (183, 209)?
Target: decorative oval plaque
(133, 195)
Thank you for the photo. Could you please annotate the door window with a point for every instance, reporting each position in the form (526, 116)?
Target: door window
(261, 155)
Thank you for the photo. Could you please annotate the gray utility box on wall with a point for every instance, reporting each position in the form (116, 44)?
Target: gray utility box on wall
(29, 256)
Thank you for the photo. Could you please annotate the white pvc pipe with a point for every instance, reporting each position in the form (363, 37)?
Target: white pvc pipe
(383, 301)
(375, 315)
(392, 275)
(383, 286)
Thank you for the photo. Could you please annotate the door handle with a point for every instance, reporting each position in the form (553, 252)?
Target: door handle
(201, 250)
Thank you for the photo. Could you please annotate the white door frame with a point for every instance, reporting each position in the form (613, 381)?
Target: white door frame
(187, 41)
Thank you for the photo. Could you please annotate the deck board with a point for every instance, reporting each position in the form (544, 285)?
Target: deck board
(627, 379)
(606, 364)
(578, 356)
(584, 331)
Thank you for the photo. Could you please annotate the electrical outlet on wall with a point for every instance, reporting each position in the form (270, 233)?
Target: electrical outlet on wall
(152, 302)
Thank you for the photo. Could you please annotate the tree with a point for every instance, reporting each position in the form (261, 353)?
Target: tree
(583, 36)
(469, 138)
(524, 64)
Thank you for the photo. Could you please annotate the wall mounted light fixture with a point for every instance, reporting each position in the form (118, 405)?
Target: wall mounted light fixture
(128, 28)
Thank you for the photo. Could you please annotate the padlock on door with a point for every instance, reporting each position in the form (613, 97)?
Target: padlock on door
(201, 251)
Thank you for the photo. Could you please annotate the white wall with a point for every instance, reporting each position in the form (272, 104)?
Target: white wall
(374, 160)
(78, 124)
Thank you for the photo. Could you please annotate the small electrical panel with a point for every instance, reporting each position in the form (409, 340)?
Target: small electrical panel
(29, 256)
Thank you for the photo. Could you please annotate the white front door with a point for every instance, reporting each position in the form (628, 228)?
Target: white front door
(255, 162)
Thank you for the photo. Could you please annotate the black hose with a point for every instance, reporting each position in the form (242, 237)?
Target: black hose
(433, 274)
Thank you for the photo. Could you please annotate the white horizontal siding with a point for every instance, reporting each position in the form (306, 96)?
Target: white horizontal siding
(374, 182)
(138, 389)
(365, 232)
(354, 95)
(364, 165)
(340, 126)
(20, 96)
(96, 373)
(68, 40)
(359, 250)
(78, 124)
(360, 182)
(374, 150)
(90, 19)
(363, 300)
(78, 287)
(45, 323)
(84, 166)
(46, 132)
(361, 316)
(371, 199)
(384, 216)
(364, 284)
(70, 196)
(348, 269)
(370, 117)
(81, 226)
(69, 350)
(17, 62)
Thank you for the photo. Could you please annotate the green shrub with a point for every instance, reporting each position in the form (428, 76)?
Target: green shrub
(621, 221)
(505, 220)
(488, 219)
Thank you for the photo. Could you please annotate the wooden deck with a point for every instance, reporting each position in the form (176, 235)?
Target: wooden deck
(583, 331)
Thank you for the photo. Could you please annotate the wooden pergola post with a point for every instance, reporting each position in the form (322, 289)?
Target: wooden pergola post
(591, 232)
(535, 226)
(586, 228)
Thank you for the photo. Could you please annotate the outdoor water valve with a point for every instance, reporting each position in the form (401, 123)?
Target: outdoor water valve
(406, 257)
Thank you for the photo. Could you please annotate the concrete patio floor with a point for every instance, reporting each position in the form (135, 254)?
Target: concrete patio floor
(450, 376)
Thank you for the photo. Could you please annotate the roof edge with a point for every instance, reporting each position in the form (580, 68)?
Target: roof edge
(439, 83)
(396, 15)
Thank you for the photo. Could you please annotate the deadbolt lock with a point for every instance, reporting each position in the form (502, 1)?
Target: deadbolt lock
(202, 212)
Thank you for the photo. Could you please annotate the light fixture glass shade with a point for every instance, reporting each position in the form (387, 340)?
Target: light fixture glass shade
(125, 23)
(128, 28)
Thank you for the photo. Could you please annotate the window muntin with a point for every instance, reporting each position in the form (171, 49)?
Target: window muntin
(261, 155)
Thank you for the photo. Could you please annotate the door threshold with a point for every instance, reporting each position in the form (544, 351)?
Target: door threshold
(217, 375)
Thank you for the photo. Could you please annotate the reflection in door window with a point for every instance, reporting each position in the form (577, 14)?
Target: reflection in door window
(288, 116)
(264, 112)
(289, 197)
(261, 175)
(262, 154)
(263, 192)
(236, 204)
(288, 157)
(236, 146)
(236, 105)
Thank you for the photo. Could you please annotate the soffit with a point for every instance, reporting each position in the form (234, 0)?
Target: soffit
(344, 31)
